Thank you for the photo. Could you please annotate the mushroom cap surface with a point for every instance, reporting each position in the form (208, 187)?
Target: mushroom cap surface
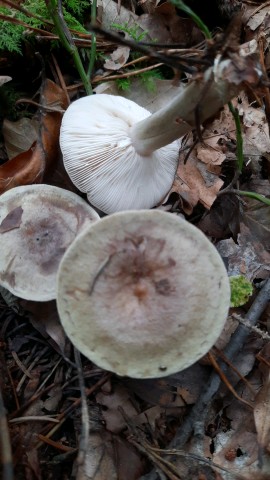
(101, 159)
(37, 224)
(143, 293)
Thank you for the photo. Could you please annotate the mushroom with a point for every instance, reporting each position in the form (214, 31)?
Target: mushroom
(123, 157)
(142, 293)
(37, 224)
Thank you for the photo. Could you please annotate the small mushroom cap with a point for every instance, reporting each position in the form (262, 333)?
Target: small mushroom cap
(37, 224)
(143, 293)
(102, 161)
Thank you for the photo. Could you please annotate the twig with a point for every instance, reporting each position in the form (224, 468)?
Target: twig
(63, 415)
(128, 74)
(58, 445)
(257, 330)
(200, 409)
(234, 369)
(84, 438)
(177, 63)
(5, 447)
(226, 381)
(161, 465)
(34, 418)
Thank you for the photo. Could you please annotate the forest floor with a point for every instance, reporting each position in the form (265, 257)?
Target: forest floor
(61, 416)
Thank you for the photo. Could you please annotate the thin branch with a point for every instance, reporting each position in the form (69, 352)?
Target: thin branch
(84, 437)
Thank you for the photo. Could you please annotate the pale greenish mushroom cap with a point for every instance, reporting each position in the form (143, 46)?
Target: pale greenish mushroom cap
(37, 224)
(143, 293)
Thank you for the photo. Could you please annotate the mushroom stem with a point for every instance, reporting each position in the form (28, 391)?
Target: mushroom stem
(205, 95)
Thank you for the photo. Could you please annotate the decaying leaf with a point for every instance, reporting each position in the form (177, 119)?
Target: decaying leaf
(165, 26)
(19, 136)
(32, 166)
(110, 13)
(4, 79)
(194, 183)
(262, 415)
(119, 397)
(12, 220)
(258, 18)
(154, 100)
(117, 59)
(223, 219)
(256, 139)
(246, 257)
(44, 317)
(234, 444)
(109, 457)
(257, 215)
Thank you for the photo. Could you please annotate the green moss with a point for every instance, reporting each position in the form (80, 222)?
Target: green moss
(241, 290)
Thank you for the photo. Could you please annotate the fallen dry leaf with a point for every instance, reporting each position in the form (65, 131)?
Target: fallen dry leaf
(246, 257)
(194, 183)
(258, 18)
(223, 219)
(256, 139)
(257, 218)
(117, 58)
(19, 136)
(163, 93)
(4, 79)
(119, 397)
(32, 166)
(44, 317)
(109, 457)
(110, 12)
(262, 415)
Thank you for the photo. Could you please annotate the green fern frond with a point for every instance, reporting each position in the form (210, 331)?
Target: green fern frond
(12, 35)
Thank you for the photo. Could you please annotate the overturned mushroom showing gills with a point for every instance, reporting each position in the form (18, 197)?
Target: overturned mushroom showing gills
(123, 157)
(37, 224)
(143, 293)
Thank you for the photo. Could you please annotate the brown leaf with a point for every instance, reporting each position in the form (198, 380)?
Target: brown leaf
(109, 457)
(165, 26)
(98, 461)
(262, 415)
(12, 220)
(246, 257)
(120, 397)
(32, 166)
(44, 318)
(223, 219)
(117, 58)
(19, 136)
(194, 183)
(4, 79)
